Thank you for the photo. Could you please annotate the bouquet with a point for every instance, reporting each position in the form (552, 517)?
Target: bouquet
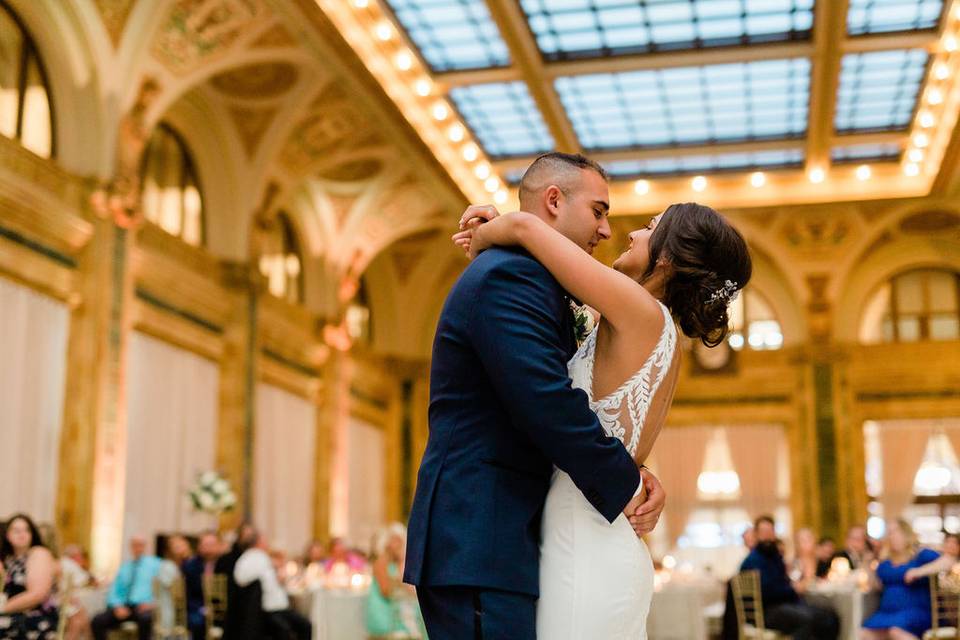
(212, 494)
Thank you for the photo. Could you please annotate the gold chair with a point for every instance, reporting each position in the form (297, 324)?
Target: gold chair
(177, 594)
(215, 604)
(66, 596)
(749, 606)
(945, 605)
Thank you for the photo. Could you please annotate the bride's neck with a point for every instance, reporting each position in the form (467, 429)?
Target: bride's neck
(656, 285)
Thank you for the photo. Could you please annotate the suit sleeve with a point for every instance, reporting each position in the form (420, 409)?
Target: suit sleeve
(516, 332)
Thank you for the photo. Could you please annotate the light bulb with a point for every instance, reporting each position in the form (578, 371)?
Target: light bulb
(440, 110)
(492, 184)
(470, 152)
(384, 30)
(911, 169)
(500, 196)
(921, 140)
(941, 71)
(816, 175)
(403, 61)
(423, 87)
(482, 171)
(758, 179)
(456, 132)
(699, 183)
(863, 172)
(915, 155)
(934, 96)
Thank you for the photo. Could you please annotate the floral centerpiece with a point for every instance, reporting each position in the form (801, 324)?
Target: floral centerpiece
(212, 494)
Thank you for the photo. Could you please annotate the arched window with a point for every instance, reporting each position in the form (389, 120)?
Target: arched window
(916, 305)
(753, 323)
(281, 261)
(171, 189)
(25, 109)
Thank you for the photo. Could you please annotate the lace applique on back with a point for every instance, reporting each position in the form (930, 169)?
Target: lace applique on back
(623, 412)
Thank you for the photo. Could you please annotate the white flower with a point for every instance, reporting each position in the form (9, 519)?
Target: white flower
(206, 501)
(228, 500)
(208, 478)
(220, 487)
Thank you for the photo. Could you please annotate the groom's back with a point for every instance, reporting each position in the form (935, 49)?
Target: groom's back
(476, 515)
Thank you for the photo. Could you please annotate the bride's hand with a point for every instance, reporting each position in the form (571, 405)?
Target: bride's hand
(645, 516)
(472, 241)
(477, 214)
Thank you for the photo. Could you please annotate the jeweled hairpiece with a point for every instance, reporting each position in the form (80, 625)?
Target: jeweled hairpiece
(726, 294)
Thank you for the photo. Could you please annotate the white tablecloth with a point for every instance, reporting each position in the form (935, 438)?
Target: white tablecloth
(852, 605)
(334, 614)
(92, 599)
(679, 611)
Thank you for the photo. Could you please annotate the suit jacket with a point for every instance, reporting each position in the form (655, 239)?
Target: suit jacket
(192, 571)
(502, 414)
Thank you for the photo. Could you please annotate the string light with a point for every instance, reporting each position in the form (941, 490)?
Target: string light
(482, 171)
(941, 71)
(440, 110)
(758, 179)
(500, 196)
(641, 187)
(911, 169)
(699, 183)
(423, 87)
(403, 61)
(361, 4)
(470, 153)
(816, 175)
(915, 155)
(934, 96)
(384, 30)
(863, 172)
(492, 184)
(456, 132)
(950, 44)
(921, 140)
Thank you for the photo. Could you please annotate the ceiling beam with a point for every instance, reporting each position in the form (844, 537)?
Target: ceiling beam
(693, 57)
(527, 60)
(897, 137)
(829, 29)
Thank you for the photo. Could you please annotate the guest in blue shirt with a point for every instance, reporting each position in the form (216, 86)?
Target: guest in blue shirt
(131, 595)
(783, 609)
(194, 570)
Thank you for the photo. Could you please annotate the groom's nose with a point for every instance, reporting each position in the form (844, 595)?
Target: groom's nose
(604, 230)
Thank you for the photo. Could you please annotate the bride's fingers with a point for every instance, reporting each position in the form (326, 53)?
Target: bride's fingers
(462, 235)
(482, 212)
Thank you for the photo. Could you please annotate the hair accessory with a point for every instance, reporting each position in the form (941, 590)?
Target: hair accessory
(726, 294)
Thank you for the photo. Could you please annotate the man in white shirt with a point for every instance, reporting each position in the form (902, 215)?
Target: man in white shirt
(282, 621)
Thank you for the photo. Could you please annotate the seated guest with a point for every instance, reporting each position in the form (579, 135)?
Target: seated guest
(392, 609)
(194, 570)
(131, 594)
(315, 553)
(73, 573)
(30, 611)
(826, 550)
(904, 612)
(749, 538)
(341, 555)
(948, 558)
(243, 617)
(783, 609)
(177, 552)
(283, 623)
(803, 567)
(857, 550)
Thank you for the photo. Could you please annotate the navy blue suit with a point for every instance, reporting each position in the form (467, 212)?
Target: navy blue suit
(502, 414)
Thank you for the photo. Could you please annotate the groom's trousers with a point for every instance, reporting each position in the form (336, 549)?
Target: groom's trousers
(475, 613)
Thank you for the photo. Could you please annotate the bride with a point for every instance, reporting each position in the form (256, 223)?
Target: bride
(684, 267)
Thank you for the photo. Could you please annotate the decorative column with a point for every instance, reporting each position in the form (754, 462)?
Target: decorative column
(238, 388)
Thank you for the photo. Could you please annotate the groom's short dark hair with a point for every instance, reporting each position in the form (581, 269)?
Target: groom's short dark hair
(550, 167)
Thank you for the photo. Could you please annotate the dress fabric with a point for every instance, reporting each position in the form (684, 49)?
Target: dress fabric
(596, 578)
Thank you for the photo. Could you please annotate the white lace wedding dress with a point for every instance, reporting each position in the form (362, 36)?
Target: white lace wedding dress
(596, 578)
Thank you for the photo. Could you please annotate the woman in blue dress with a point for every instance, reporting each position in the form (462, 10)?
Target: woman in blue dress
(904, 612)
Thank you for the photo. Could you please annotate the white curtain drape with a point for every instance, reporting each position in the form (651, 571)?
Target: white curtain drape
(367, 457)
(33, 350)
(171, 429)
(284, 464)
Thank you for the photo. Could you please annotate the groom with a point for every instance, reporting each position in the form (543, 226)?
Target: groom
(502, 415)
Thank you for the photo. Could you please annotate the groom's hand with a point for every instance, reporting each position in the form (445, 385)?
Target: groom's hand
(647, 514)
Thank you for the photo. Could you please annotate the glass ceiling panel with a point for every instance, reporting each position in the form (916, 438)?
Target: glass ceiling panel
(866, 152)
(504, 118)
(689, 105)
(567, 29)
(452, 34)
(878, 90)
(884, 16)
(787, 158)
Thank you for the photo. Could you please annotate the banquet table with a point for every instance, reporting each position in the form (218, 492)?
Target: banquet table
(681, 610)
(336, 614)
(851, 604)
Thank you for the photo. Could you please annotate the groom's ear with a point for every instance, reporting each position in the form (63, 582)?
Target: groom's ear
(552, 196)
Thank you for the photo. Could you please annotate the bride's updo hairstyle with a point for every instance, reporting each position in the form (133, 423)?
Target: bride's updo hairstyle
(709, 264)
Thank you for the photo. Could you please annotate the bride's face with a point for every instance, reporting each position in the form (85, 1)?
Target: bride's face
(633, 262)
